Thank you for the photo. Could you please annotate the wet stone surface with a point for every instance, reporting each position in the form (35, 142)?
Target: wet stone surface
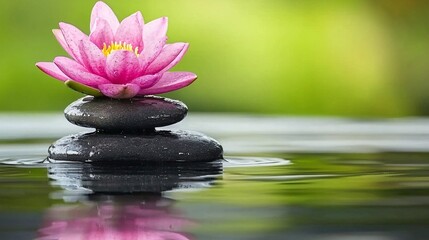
(159, 146)
(127, 115)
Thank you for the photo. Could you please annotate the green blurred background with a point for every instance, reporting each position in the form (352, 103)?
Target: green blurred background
(359, 58)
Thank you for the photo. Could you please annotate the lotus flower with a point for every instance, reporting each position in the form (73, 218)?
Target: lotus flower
(118, 59)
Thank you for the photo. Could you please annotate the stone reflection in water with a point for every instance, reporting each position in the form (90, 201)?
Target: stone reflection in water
(116, 217)
(133, 177)
(124, 201)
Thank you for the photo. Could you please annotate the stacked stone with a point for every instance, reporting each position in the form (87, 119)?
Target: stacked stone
(126, 131)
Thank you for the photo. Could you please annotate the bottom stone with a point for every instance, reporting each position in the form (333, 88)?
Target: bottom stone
(157, 146)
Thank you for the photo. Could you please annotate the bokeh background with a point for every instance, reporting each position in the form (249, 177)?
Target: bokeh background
(358, 58)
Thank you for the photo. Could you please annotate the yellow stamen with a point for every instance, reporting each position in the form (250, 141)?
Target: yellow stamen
(108, 49)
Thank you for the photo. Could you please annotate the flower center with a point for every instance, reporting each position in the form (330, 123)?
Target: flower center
(114, 46)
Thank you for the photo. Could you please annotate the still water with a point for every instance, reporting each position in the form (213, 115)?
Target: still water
(282, 178)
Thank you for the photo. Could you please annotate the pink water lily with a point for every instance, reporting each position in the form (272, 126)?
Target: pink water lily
(119, 59)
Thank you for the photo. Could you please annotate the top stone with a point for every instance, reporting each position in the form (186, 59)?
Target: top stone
(125, 115)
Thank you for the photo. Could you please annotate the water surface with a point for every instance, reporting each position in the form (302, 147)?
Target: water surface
(283, 178)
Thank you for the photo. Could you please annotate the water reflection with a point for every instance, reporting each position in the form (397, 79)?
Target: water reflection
(116, 217)
(133, 177)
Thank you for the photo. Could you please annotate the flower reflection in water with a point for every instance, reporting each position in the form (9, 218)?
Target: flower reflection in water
(116, 217)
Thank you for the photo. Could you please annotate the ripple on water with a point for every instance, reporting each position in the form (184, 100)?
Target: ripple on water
(231, 162)
(137, 177)
(228, 162)
(25, 161)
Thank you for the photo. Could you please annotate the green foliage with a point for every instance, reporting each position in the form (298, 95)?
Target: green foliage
(353, 58)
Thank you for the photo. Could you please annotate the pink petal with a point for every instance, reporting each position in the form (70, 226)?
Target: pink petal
(93, 59)
(146, 81)
(154, 39)
(131, 31)
(119, 90)
(60, 38)
(52, 70)
(168, 58)
(103, 11)
(170, 81)
(78, 73)
(122, 66)
(102, 33)
(73, 36)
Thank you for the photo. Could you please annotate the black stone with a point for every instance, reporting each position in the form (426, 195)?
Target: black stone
(157, 146)
(125, 115)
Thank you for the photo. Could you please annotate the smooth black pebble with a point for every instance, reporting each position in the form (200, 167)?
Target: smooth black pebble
(125, 115)
(159, 146)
